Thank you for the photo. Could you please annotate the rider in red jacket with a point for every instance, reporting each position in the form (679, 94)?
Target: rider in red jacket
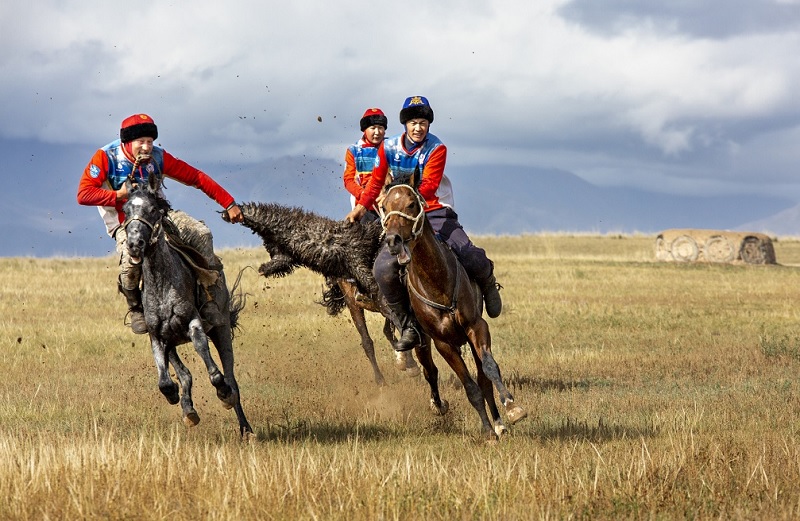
(360, 161)
(134, 155)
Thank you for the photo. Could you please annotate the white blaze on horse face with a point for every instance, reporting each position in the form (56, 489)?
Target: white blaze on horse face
(136, 203)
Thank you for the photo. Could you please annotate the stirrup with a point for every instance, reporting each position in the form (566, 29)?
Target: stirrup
(403, 348)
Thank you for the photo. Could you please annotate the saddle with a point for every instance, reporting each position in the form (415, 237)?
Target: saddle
(206, 275)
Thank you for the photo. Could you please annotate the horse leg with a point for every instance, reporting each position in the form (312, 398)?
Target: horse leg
(222, 338)
(200, 342)
(431, 374)
(452, 355)
(165, 384)
(403, 360)
(357, 314)
(190, 416)
(488, 394)
(481, 340)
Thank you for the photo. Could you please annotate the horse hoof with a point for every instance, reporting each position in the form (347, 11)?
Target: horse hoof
(491, 438)
(500, 429)
(516, 414)
(413, 372)
(191, 419)
(440, 410)
(224, 393)
(229, 400)
(170, 392)
(400, 360)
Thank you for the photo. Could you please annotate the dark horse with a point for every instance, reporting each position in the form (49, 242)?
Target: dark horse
(448, 307)
(171, 297)
(342, 252)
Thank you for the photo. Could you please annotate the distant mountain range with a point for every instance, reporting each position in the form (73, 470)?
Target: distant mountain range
(39, 215)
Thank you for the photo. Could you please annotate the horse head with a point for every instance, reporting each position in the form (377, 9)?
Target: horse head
(144, 210)
(402, 212)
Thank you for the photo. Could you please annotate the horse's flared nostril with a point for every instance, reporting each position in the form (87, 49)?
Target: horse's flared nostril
(394, 243)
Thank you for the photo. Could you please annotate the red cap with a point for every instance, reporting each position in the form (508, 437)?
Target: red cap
(373, 116)
(136, 126)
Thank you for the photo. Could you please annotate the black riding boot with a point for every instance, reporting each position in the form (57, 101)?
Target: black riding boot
(406, 323)
(491, 296)
(134, 299)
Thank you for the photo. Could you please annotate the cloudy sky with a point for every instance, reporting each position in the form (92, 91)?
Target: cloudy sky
(680, 97)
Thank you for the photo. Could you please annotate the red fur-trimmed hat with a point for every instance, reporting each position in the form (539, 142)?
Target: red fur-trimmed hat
(372, 117)
(416, 107)
(136, 126)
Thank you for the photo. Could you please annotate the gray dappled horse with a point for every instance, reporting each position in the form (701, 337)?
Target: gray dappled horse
(448, 307)
(170, 295)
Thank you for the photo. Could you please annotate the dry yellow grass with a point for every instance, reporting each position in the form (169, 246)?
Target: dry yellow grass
(654, 391)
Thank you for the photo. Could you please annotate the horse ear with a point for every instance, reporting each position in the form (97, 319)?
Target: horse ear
(153, 183)
(415, 177)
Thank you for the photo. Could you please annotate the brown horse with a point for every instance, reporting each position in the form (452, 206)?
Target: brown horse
(448, 307)
(342, 293)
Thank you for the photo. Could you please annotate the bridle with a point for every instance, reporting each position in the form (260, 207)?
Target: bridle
(417, 221)
(155, 227)
(416, 231)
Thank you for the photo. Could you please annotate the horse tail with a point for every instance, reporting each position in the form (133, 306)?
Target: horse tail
(238, 299)
(333, 297)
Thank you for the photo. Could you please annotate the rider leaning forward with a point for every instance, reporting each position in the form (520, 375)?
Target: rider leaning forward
(399, 156)
(134, 155)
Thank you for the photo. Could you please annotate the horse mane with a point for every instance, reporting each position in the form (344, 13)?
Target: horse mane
(402, 179)
(163, 205)
(413, 179)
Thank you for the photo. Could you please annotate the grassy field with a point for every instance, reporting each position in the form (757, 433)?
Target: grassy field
(654, 391)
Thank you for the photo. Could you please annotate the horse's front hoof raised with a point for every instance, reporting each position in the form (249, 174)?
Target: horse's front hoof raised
(170, 392)
(515, 414)
(191, 418)
(404, 361)
(229, 400)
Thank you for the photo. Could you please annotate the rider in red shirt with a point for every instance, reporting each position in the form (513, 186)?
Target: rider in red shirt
(134, 155)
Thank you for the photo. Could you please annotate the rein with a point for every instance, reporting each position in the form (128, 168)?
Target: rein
(154, 227)
(416, 231)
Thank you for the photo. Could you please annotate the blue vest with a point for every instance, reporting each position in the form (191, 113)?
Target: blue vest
(365, 160)
(402, 163)
(120, 167)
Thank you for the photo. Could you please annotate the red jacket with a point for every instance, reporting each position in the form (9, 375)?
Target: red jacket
(110, 167)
